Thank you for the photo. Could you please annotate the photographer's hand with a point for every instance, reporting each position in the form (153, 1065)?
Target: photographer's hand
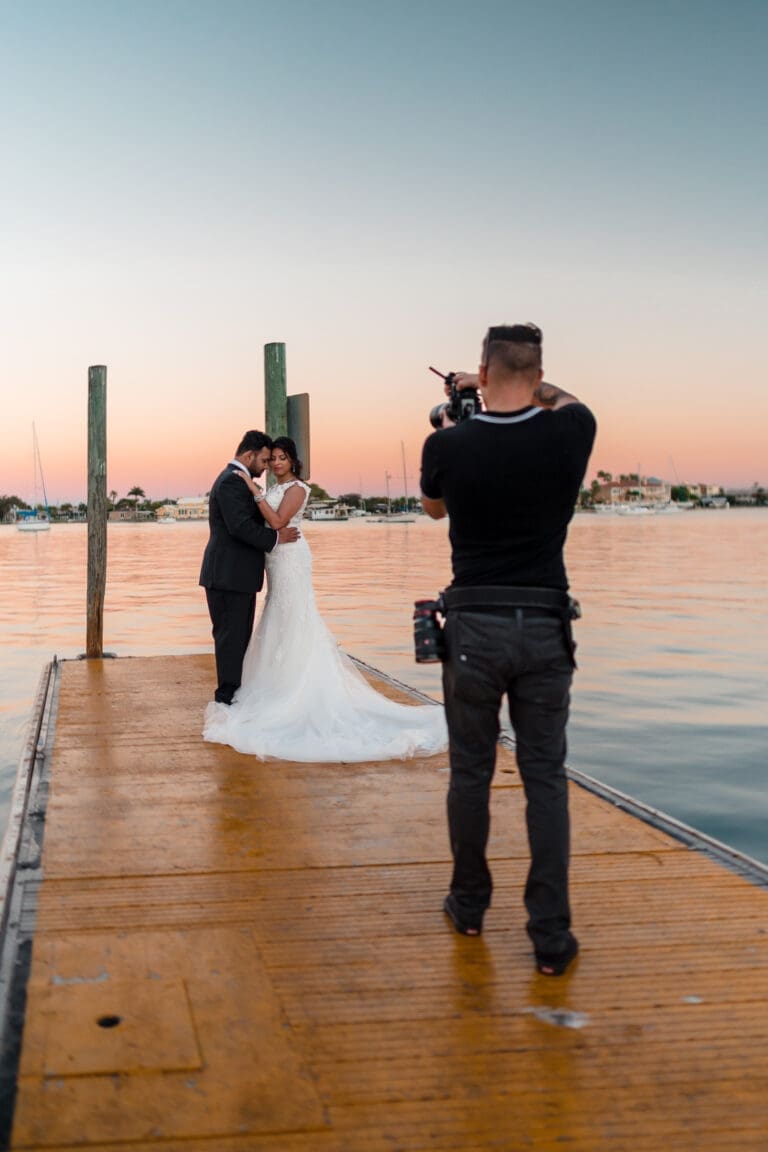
(464, 380)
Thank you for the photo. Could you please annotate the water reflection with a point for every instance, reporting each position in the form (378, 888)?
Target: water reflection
(669, 701)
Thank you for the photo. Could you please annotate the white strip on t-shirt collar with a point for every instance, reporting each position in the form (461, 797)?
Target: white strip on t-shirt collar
(511, 418)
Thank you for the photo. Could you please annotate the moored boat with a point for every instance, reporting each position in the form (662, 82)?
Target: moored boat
(326, 511)
(636, 510)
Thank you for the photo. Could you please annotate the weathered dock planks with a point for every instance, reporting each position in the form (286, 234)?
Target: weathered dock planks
(266, 942)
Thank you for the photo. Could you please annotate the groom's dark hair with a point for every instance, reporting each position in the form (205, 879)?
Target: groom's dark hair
(253, 442)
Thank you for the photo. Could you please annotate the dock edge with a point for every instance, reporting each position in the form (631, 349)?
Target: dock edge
(753, 870)
(20, 876)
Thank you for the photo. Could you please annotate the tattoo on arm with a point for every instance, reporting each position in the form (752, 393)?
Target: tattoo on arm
(550, 396)
(546, 394)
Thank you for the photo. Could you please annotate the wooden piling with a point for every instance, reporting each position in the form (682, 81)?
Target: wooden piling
(275, 404)
(97, 509)
(298, 428)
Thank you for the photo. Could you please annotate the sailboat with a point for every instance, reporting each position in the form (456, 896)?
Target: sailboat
(396, 517)
(30, 519)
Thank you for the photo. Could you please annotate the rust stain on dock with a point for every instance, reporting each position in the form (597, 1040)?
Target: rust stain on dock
(231, 954)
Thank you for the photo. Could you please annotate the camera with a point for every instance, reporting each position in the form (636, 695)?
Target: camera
(428, 639)
(462, 402)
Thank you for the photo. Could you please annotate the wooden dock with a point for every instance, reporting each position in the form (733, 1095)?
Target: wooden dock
(231, 955)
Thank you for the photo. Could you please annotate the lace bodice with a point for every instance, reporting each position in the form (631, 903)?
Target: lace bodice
(274, 498)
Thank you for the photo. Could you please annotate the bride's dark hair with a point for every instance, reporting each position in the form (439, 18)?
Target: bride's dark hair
(289, 447)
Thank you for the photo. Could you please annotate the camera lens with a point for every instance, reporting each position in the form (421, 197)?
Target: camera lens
(436, 415)
(427, 632)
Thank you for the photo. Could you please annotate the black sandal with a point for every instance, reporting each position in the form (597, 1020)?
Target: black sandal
(555, 963)
(465, 927)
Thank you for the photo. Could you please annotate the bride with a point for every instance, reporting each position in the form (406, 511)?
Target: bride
(301, 698)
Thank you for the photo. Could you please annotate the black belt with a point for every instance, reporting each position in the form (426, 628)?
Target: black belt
(490, 597)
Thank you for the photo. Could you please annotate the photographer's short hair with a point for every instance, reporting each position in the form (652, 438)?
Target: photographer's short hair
(253, 441)
(513, 358)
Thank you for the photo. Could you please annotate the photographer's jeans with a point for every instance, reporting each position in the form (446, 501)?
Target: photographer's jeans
(525, 655)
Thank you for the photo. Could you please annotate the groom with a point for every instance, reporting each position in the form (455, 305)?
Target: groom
(233, 563)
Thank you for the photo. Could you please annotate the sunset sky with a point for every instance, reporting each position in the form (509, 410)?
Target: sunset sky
(373, 182)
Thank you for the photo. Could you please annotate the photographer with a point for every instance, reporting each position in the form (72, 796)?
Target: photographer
(509, 477)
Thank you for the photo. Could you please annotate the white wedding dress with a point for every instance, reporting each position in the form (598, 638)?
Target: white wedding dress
(301, 698)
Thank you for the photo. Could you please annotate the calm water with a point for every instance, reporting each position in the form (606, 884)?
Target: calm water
(671, 698)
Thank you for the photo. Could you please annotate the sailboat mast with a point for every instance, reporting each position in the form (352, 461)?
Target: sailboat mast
(38, 465)
(405, 481)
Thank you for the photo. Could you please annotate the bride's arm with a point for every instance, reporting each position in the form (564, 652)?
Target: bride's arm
(289, 505)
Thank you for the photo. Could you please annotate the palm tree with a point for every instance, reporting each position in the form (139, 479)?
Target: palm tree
(137, 493)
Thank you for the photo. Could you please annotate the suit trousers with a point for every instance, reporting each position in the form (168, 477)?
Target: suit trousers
(232, 615)
(524, 654)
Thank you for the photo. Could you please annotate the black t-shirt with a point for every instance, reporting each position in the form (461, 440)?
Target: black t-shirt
(510, 482)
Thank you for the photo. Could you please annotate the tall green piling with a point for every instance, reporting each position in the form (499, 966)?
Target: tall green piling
(284, 415)
(275, 402)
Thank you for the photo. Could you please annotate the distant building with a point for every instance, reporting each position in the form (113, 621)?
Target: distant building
(748, 496)
(625, 490)
(700, 491)
(651, 491)
(185, 508)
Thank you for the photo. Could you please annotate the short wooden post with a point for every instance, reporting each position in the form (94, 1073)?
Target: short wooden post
(97, 510)
(298, 428)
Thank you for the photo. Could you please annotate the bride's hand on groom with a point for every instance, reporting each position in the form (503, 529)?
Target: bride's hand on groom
(253, 487)
(287, 535)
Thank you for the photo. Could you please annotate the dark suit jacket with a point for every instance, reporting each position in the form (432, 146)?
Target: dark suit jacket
(234, 556)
